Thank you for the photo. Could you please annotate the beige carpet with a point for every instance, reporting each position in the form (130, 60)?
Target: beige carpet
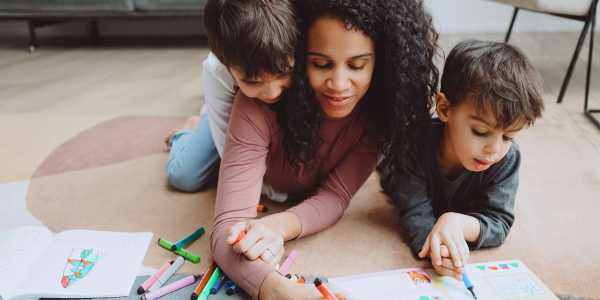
(111, 177)
(82, 131)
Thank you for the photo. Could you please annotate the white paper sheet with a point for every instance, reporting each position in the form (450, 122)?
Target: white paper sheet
(121, 255)
(19, 249)
(504, 280)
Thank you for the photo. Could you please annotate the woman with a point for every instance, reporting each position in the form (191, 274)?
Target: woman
(363, 77)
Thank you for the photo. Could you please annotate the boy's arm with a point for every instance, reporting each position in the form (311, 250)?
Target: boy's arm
(219, 90)
(408, 192)
(495, 208)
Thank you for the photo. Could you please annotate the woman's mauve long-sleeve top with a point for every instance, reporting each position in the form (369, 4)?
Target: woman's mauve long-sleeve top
(253, 152)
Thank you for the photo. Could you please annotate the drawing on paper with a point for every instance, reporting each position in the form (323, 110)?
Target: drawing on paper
(419, 278)
(78, 265)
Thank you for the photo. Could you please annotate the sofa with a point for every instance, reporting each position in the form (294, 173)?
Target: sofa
(40, 13)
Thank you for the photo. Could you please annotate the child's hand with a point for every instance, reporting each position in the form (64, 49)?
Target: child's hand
(447, 268)
(259, 241)
(448, 231)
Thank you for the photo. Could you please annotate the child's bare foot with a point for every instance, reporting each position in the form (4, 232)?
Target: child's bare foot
(190, 123)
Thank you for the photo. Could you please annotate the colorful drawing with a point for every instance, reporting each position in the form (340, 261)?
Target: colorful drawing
(419, 278)
(78, 266)
(499, 266)
(430, 298)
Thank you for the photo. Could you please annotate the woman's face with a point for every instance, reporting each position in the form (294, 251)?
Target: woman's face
(339, 65)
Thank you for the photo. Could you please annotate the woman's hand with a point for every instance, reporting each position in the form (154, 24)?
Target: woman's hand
(277, 287)
(256, 240)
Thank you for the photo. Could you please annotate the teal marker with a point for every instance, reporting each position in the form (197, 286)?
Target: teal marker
(209, 285)
(188, 239)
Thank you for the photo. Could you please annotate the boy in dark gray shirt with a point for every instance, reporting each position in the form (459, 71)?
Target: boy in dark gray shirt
(458, 192)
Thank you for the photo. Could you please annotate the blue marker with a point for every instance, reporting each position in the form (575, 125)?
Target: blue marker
(468, 283)
(215, 289)
(231, 288)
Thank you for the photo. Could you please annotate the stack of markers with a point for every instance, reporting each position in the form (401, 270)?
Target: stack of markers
(179, 247)
(153, 287)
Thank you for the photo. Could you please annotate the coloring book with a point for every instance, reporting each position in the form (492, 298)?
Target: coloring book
(35, 263)
(502, 280)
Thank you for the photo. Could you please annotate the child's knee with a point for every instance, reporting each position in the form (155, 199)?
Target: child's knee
(186, 181)
(183, 181)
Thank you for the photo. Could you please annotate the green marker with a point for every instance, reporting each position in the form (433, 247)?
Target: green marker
(211, 282)
(165, 244)
(189, 256)
(188, 239)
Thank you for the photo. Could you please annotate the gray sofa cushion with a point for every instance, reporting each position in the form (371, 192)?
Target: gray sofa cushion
(169, 5)
(65, 5)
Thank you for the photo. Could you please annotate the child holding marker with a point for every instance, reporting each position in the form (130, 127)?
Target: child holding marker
(458, 191)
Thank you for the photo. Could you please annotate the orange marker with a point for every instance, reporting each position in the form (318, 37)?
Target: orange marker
(240, 237)
(204, 281)
(328, 295)
(261, 208)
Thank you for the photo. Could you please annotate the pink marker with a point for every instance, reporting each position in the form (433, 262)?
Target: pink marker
(150, 281)
(287, 264)
(177, 285)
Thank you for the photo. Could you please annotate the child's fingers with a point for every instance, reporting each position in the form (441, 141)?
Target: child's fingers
(454, 254)
(467, 250)
(444, 271)
(464, 249)
(435, 250)
(444, 251)
(449, 264)
(460, 249)
(425, 250)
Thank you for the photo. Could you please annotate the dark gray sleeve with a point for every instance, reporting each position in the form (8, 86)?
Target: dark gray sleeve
(408, 192)
(495, 208)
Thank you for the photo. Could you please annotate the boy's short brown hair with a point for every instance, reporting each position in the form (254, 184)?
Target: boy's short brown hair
(254, 35)
(498, 77)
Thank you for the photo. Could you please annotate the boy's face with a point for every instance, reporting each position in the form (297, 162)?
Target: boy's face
(471, 139)
(265, 87)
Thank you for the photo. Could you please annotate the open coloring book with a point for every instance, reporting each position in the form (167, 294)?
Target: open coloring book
(504, 280)
(36, 263)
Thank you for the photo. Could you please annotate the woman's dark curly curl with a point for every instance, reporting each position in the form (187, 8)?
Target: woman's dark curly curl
(404, 79)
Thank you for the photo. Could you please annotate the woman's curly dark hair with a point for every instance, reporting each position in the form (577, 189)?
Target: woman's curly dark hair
(404, 79)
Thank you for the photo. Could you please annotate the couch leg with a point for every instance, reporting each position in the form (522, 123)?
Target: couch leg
(32, 36)
(94, 31)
